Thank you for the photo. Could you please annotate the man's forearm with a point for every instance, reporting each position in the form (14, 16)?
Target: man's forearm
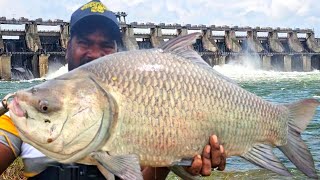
(6, 158)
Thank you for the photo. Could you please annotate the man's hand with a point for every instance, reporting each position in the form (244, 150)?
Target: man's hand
(213, 156)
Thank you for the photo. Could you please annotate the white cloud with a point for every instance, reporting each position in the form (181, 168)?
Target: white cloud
(273, 13)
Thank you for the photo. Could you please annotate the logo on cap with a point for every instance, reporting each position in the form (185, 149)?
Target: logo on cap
(95, 7)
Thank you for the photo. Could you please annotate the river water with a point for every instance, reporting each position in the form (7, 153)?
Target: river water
(277, 87)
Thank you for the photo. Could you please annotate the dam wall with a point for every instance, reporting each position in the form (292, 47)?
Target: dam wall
(34, 49)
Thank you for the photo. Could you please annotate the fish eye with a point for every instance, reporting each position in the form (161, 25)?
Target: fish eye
(43, 106)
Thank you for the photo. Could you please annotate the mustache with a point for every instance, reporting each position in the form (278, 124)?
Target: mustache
(85, 61)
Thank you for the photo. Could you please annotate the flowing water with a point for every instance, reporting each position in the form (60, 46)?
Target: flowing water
(277, 87)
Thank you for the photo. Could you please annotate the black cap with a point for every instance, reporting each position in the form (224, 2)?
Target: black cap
(94, 9)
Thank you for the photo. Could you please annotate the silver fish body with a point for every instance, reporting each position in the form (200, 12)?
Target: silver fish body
(167, 106)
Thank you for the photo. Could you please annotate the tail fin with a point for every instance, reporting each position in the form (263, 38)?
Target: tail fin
(296, 150)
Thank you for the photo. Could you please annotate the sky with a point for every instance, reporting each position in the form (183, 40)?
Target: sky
(263, 13)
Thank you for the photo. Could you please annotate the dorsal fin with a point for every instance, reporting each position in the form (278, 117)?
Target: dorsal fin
(182, 46)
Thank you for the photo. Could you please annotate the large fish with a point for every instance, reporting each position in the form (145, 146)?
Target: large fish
(156, 108)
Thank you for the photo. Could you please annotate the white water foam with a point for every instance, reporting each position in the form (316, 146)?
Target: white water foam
(60, 71)
(241, 73)
(54, 71)
(247, 67)
(238, 72)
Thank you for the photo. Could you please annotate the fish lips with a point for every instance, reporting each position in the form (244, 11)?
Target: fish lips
(15, 108)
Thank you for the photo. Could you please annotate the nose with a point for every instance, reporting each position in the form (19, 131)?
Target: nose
(94, 52)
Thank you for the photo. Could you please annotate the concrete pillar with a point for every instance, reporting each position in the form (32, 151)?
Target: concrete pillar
(129, 41)
(5, 67)
(210, 61)
(64, 35)
(315, 62)
(43, 64)
(306, 63)
(208, 42)
(231, 41)
(253, 42)
(35, 66)
(274, 42)
(181, 32)
(222, 60)
(311, 42)
(294, 42)
(215, 60)
(266, 62)
(1, 44)
(287, 63)
(156, 37)
(32, 37)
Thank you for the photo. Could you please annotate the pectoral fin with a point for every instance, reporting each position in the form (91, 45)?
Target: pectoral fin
(106, 173)
(125, 167)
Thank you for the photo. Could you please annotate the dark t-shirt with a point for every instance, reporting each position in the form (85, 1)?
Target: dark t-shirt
(70, 172)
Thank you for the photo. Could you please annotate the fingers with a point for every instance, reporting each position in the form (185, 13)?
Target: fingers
(206, 161)
(196, 166)
(215, 151)
(223, 162)
(213, 156)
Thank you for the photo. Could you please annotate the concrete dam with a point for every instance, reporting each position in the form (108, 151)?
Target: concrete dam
(280, 49)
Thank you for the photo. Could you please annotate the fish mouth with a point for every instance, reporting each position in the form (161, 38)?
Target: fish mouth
(15, 107)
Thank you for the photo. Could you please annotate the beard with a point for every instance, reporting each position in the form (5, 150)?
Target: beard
(85, 61)
(72, 64)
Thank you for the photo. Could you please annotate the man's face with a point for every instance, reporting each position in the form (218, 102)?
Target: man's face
(82, 50)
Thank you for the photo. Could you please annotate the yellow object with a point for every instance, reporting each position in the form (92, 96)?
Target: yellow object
(29, 174)
(95, 7)
(7, 125)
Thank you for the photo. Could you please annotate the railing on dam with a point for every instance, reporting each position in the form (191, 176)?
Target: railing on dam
(285, 47)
